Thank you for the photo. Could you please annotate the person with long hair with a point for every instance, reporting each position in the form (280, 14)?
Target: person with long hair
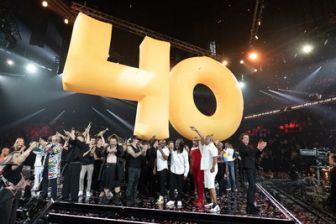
(198, 174)
(230, 166)
(221, 168)
(179, 169)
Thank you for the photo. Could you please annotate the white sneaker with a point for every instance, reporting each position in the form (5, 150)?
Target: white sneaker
(160, 201)
(215, 209)
(170, 203)
(88, 194)
(179, 204)
(208, 205)
(80, 194)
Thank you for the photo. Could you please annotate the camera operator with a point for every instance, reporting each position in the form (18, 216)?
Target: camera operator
(12, 182)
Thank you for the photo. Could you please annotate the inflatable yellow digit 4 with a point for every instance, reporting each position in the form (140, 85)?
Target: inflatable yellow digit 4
(87, 71)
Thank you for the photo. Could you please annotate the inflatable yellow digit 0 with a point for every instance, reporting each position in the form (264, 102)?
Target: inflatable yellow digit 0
(183, 111)
(88, 71)
(160, 96)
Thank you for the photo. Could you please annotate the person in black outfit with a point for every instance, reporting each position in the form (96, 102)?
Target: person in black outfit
(12, 173)
(150, 183)
(248, 154)
(113, 170)
(98, 155)
(72, 168)
(135, 153)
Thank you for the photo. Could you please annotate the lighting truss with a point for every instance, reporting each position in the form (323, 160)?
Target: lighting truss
(140, 31)
(291, 108)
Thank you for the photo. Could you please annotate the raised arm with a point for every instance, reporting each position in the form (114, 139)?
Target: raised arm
(26, 153)
(165, 157)
(199, 134)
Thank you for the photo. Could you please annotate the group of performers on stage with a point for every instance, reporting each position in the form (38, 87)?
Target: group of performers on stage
(82, 165)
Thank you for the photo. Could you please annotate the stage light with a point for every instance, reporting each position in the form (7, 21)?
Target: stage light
(10, 62)
(225, 62)
(307, 49)
(44, 4)
(66, 21)
(253, 56)
(241, 84)
(241, 62)
(255, 70)
(31, 68)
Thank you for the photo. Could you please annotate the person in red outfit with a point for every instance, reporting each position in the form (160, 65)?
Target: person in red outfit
(198, 174)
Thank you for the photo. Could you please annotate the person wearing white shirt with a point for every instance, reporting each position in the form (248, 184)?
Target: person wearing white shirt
(38, 168)
(229, 161)
(209, 165)
(161, 168)
(179, 169)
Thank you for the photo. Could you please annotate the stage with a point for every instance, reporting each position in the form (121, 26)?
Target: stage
(232, 211)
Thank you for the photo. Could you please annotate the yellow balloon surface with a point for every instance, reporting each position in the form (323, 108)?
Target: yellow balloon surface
(161, 95)
(183, 111)
(88, 71)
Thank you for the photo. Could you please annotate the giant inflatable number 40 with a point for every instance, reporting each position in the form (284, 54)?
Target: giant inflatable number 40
(162, 95)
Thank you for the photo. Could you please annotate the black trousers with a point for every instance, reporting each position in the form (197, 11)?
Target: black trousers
(6, 203)
(132, 184)
(15, 206)
(220, 178)
(71, 181)
(251, 179)
(45, 183)
(163, 178)
(175, 182)
(149, 181)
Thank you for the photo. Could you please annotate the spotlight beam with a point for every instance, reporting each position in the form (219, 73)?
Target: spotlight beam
(294, 91)
(304, 83)
(288, 97)
(105, 118)
(53, 121)
(122, 121)
(130, 104)
(21, 120)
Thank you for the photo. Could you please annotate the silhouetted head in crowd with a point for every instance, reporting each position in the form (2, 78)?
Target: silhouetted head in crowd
(195, 142)
(19, 143)
(244, 138)
(171, 145)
